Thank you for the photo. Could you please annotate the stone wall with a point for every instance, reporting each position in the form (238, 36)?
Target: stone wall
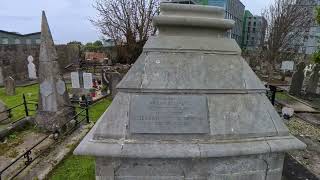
(13, 59)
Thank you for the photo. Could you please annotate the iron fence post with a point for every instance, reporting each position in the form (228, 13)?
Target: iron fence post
(87, 110)
(25, 105)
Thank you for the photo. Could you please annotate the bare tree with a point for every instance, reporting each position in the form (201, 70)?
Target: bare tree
(128, 22)
(289, 22)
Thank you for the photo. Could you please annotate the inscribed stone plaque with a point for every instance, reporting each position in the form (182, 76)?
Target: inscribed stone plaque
(46, 88)
(87, 80)
(61, 87)
(75, 80)
(287, 65)
(169, 114)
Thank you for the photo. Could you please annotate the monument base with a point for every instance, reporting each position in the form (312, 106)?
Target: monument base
(53, 121)
(253, 167)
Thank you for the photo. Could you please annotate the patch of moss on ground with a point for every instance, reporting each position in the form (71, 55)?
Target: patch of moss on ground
(299, 127)
(283, 96)
(12, 141)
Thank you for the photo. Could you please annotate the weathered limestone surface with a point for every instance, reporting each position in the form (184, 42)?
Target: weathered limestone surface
(54, 110)
(190, 108)
(4, 116)
(313, 81)
(10, 86)
(297, 80)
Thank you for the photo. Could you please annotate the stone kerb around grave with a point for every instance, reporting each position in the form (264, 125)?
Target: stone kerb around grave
(190, 108)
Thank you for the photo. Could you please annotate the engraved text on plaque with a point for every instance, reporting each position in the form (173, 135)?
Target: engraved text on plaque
(168, 114)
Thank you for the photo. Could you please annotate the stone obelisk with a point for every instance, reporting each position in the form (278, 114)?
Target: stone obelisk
(54, 104)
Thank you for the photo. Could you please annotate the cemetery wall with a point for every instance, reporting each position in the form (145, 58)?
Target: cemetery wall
(13, 58)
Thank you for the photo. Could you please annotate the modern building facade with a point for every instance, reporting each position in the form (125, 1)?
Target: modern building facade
(9, 38)
(254, 31)
(235, 11)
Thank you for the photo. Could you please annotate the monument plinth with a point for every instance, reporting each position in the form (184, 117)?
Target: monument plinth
(190, 108)
(54, 109)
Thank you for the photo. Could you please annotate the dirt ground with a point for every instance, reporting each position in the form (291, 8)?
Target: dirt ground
(310, 135)
(16, 144)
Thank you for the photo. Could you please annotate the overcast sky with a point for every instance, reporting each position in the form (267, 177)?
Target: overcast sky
(68, 19)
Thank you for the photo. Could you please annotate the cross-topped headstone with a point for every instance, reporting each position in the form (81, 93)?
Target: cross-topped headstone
(313, 81)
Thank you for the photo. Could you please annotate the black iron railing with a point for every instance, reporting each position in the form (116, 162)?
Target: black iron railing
(271, 93)
(27, 110)
(82, 115)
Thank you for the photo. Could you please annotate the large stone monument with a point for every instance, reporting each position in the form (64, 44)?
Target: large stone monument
(10, 86)
(190, 108)
(54, 104)
(312, 85)
(297, 80)
(32, 72)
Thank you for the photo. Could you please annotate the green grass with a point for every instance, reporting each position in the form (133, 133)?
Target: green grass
(72, 167)
(75, 168)
(31, 93)
(80, 167)
(283, 96)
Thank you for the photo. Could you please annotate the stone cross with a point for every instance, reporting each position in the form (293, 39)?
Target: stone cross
(313, 81)
(31, 68)
(297, 80)
(10, 86)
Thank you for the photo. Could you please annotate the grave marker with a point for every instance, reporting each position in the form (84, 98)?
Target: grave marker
(297, 80)
(190, 108)
(10, 86)
(312, 85)
(75, 81)
(54, 109)
(287, 65)
(87, 81)
(31, 68)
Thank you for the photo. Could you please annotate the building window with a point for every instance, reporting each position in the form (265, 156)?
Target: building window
(255, 23)
(5, 41)
(38, 41)
(253, 30)
(28, 41)
(17, 41)
(249, 24)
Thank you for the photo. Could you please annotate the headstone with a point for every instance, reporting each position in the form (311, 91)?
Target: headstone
(113, 79)
(87, 81)
(109, 62)
(31, 68)
(312, 85)
(54, 109)
(190, 108)
(75, 81)
(1, 76)
(4, 115)
(10, 86)
(297, 80)
(287, 65)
